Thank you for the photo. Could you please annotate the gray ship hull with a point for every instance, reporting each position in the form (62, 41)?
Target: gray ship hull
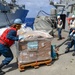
(7, 19)
(9, 12)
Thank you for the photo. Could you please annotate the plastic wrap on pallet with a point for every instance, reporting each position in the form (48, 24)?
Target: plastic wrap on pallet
(44, 55)
(27, 57)
(34, 35)
(32, 51)
(34, 47)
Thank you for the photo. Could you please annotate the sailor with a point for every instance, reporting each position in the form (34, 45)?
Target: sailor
(6, 40)
(72, 35)
(59, 27)
(72, 23)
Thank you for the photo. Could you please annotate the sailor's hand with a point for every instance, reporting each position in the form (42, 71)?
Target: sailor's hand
(21, 37)
(73, 31)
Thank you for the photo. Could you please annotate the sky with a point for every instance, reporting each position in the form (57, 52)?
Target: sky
(34, 6)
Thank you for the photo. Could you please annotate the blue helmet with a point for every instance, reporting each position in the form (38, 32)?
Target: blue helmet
(18, 21)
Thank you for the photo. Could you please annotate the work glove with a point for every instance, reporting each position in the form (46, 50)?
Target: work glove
(21, 37)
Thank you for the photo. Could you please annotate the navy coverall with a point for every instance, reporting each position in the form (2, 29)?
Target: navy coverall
(5, 50)
(73, 40)
(59, 28)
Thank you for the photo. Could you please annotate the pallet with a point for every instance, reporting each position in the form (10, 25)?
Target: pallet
(34, 64)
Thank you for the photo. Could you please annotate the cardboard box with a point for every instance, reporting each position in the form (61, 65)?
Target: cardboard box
(35, 50)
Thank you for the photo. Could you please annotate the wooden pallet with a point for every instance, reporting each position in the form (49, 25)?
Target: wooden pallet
(34, 64)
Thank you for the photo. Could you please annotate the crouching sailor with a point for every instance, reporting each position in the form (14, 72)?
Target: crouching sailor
(72, 35)
(72, 23)
(6, 40)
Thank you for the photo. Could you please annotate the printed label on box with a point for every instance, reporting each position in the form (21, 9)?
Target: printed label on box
(32, 45)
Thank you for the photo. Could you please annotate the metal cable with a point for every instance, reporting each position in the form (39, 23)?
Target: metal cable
(43, 12)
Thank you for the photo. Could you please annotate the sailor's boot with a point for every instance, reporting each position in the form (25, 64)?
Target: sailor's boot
(1, 65)
(1, 72)
(67, 50)
(0, 54)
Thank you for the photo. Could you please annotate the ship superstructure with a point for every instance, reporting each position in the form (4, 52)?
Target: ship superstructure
(65, 8)
(11, 11)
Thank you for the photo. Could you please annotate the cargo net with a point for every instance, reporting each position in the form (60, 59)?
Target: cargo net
(32, 51)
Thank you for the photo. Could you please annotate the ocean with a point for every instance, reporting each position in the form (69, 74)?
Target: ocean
(34, 6)
(29, 22)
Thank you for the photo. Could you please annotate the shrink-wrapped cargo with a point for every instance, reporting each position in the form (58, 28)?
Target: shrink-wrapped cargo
(34, 48)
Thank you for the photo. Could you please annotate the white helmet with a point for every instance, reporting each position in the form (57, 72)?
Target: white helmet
(73, 16)
(58, 17)
(18, 21)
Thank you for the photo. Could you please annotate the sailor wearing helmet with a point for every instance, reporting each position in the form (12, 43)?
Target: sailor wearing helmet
(71, 35)
(7, 39)
(59, 27)
(72, 23)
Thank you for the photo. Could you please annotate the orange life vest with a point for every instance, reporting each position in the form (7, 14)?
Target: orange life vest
(3, 38)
